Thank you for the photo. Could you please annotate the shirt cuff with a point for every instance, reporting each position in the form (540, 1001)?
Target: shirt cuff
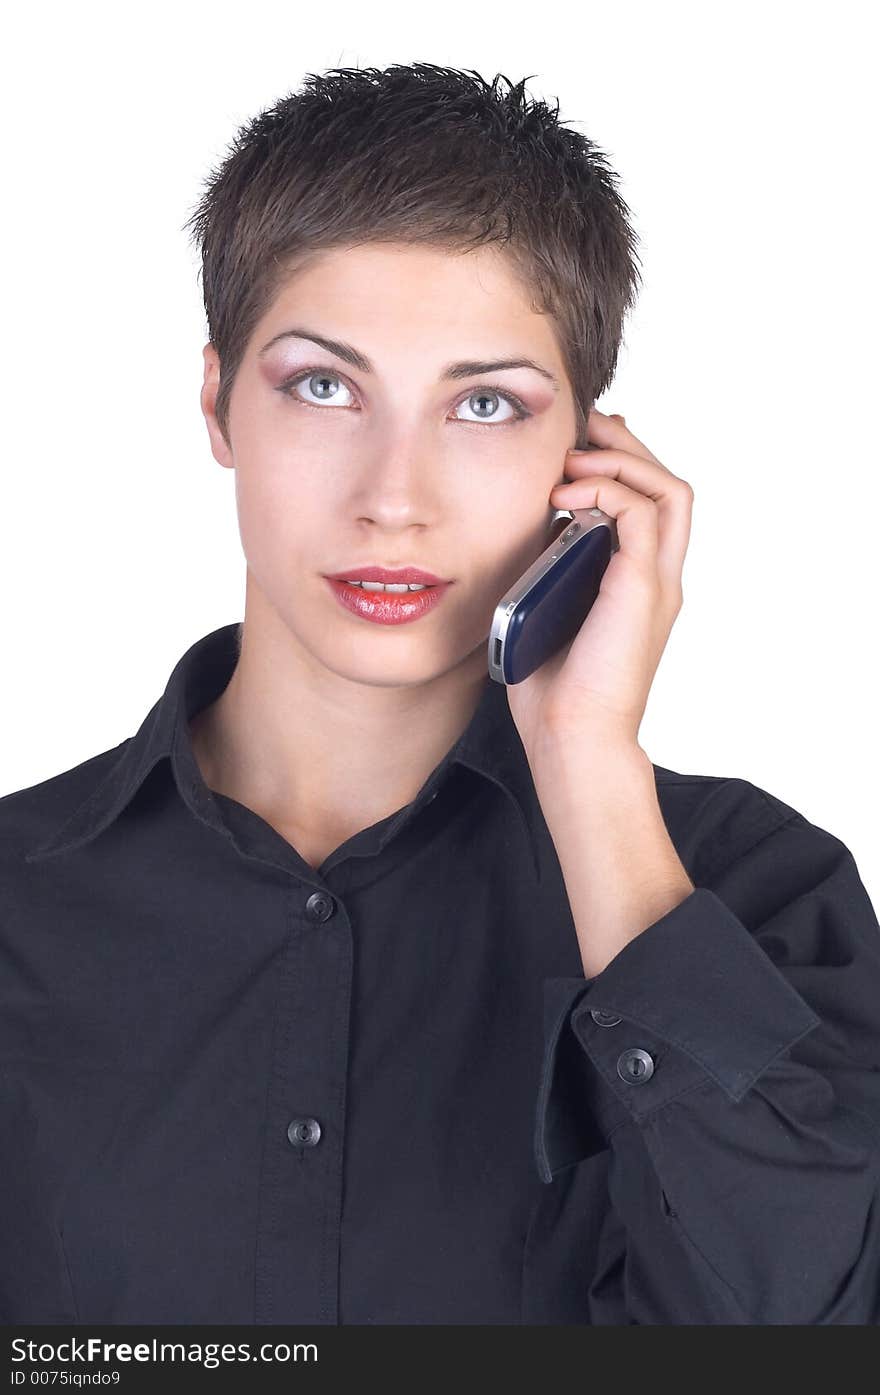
(693, 998)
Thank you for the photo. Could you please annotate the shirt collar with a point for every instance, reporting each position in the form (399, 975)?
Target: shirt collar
(490, 745)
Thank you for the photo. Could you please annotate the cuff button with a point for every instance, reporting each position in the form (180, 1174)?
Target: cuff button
(303, 1133)
(635, 1066)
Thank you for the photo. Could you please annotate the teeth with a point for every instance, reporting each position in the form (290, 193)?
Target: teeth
(398, 587)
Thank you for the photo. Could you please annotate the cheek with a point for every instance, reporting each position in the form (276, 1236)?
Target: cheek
(274, 463)
(525, 543)
(509, 539)
(284, 506)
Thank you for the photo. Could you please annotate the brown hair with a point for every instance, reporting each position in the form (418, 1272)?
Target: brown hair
(419, 153)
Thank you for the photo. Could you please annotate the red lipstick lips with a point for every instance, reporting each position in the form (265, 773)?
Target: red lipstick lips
(400, 575)
(388, 607)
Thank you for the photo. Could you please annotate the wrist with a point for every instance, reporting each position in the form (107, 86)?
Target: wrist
(589, 770)
(620, 867)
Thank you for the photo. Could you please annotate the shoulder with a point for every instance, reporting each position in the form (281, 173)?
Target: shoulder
(29, 816)
(716, 820)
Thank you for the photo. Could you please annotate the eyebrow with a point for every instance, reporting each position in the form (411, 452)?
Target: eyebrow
(466, 368)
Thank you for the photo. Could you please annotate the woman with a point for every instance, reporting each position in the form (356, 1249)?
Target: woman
(355, 987)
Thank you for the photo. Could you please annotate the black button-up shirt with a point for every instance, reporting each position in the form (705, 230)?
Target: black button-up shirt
(237, 1089)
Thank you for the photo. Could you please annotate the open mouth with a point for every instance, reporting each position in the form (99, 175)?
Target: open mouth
(385, 604)
(393, 587)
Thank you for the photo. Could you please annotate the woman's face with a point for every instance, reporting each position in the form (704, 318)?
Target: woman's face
(392, 461)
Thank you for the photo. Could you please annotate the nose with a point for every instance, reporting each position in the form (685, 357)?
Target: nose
(397, 485)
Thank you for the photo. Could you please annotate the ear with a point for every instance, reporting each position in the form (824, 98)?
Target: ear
(220, 447)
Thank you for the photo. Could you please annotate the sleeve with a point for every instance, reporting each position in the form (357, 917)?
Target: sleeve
(728, 1058)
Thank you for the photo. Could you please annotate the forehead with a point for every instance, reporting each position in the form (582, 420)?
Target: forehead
(377, 286)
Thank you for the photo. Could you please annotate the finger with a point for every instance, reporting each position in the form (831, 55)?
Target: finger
(672, 495)
(613, 431)
(636, 516)
(647, 475)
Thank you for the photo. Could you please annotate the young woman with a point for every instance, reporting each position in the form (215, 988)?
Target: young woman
(355, 987)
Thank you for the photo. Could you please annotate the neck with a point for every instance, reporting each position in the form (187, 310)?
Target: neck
(317, 754)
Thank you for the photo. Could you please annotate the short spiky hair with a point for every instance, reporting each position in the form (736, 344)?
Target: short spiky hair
(419, 153)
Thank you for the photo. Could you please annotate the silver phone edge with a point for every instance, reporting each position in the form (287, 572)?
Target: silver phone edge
(588, 519)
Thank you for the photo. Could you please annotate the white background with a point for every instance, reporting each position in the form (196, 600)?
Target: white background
(745, 138)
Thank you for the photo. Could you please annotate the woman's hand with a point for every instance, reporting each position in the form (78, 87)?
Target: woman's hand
(593, 693)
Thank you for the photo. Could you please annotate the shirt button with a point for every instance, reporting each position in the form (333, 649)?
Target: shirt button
(320, 906)
(604, 1019)
(635, 1066)
(303, 1133)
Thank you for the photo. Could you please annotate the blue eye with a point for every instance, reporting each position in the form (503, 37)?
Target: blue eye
(492, 397)
(319, 382)
(324, 385)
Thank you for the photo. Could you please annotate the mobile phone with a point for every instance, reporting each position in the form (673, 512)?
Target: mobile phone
(546, 607)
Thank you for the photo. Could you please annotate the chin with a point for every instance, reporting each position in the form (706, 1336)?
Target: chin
(403, 663)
